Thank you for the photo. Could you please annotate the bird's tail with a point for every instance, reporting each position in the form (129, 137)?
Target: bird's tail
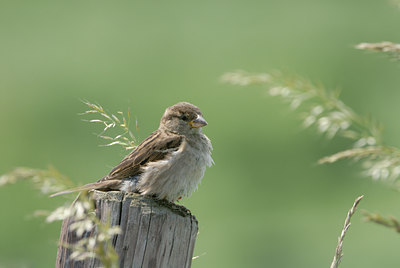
(102, 185)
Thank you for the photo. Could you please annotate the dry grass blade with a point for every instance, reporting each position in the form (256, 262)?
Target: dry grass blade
(48, 180)
(391, 49)
(357, 153)
(382, 46)
(243, 78)
(391, 222)
(379, 162)
(351, 153)
(339, 248)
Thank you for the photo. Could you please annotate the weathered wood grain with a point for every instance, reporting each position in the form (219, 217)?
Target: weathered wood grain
(154, 233)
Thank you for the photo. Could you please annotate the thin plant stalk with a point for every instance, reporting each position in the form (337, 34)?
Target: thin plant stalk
(337, 258)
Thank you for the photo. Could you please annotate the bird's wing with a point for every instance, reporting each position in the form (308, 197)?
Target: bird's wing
(154, 148)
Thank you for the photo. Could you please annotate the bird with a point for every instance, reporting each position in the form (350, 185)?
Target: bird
(169, 164)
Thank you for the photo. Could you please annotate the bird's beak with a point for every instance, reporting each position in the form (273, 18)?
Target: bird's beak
(198, 122)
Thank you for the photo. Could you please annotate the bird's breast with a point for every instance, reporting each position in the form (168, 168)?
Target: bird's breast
(180, 173)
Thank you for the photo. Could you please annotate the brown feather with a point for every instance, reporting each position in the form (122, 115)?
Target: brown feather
(155, 147)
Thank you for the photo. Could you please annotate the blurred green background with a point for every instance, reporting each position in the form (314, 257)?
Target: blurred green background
(265, 203)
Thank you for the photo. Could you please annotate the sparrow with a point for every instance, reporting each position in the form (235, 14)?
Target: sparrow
(168, 164)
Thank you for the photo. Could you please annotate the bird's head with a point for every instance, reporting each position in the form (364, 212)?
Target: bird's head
(183, 118)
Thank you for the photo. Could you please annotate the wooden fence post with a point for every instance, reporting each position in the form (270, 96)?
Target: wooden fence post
(153, 233)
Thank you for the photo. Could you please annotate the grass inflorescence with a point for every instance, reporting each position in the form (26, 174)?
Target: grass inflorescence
(84, 221)
(82, 211)
(119, 122)
(324, 111)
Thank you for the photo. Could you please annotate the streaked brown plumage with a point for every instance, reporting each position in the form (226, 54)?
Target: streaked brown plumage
(169, 163)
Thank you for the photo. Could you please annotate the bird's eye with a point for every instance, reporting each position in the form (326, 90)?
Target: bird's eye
(183, 117)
